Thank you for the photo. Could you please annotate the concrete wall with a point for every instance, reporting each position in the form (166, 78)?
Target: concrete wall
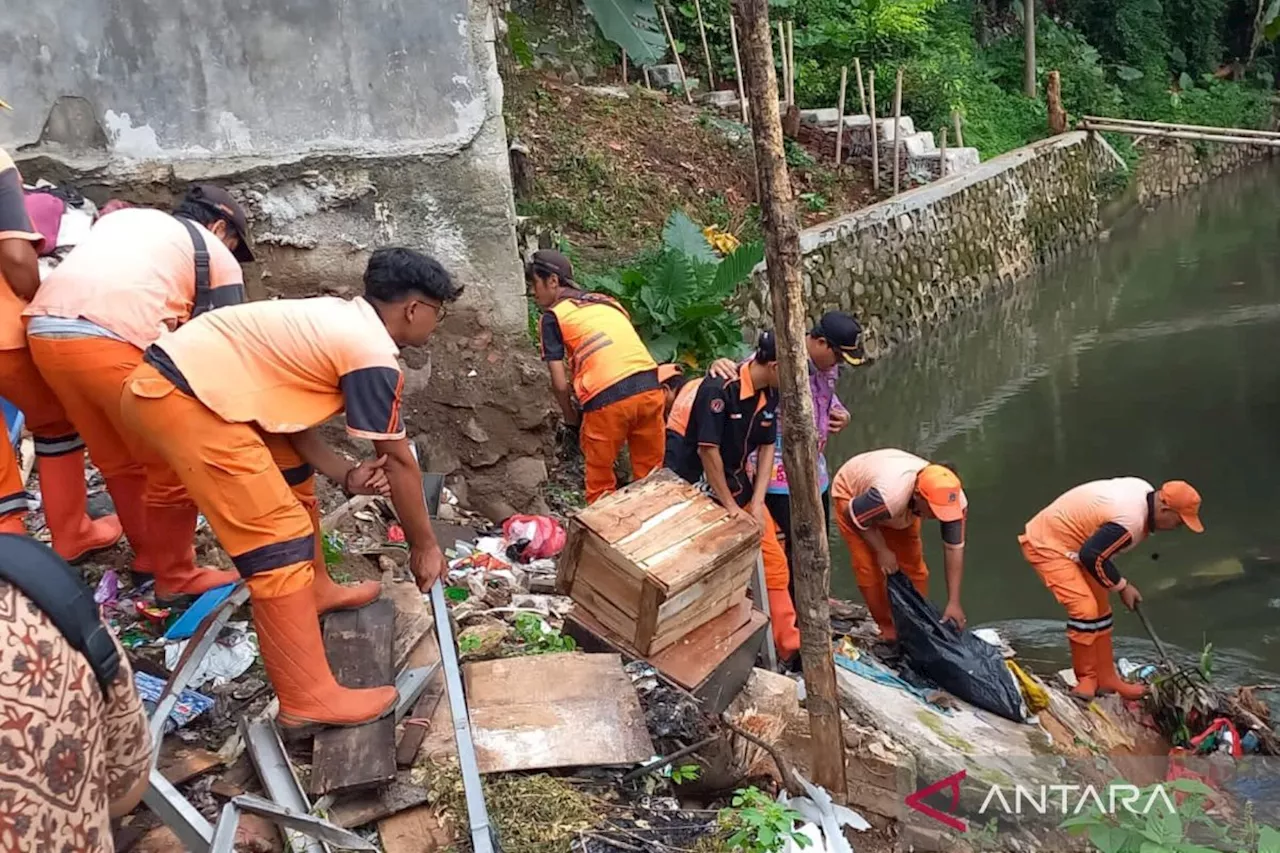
(344, 125)
(929, 254)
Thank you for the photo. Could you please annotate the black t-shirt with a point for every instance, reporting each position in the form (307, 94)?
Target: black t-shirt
(733, 416)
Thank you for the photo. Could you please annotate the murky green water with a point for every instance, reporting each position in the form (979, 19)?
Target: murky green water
(1155, 354)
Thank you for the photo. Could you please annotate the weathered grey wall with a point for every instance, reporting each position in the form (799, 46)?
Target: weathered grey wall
(344, 124)
(929, 254)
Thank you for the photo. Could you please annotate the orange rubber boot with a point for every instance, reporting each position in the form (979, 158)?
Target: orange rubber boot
(293, 653)
(170, 539)
(331, 596)
(127, 492)
(75, 535)
(1109, 681)
(1082, 661)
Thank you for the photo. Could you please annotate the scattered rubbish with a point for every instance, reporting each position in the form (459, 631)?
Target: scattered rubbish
(108, 588)
(1130, 670)
(871, 669)
(825, 816)
(958, 661)
(227, 659)
(186, 624)
(532, 537)
(190, 704)
(1033, 692)
(150, 612)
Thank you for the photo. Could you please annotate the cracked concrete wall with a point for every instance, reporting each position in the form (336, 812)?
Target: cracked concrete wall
(342, 124)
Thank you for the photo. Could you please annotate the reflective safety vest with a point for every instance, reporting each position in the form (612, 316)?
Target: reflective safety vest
(682, 408)
(603, 347)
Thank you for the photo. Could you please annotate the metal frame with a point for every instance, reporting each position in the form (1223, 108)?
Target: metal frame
(761, 596)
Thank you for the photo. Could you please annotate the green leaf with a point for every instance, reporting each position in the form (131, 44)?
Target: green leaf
(457, 593)
(1178, 56)
(633, 26)
(663, 348)
(1152, 847)
(1163, 827)
(1268, 838)
(683, 234)
(610, 284)
(1185, 82)
(1128, 74)
(736, 268)
(1108, 839)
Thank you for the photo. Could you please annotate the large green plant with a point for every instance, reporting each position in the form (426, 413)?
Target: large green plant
(633, 26)
(677, 295)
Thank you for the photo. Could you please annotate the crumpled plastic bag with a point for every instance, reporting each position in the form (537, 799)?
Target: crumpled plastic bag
(544, 535)
(824, 820)
(957, 661)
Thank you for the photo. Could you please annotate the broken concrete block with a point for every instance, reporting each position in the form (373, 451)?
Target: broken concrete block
(721, 99)
(886, 127)
(769, 693)
(860, 121)
(919, 144)
(664, 76)
(962, 159)
(824, 117)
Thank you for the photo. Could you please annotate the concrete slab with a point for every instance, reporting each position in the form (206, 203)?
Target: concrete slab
(723, 99)
(919, 144)
(886, 127)
(862, 121)
(962, 159)
(826, 116)
(662, 76)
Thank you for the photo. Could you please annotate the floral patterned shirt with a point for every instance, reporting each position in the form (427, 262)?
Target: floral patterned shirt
(65, 753)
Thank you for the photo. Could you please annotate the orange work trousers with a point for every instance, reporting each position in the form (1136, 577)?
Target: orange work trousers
(1086, 601)
(906, 545)
(635, 421)
(777, 578)
(231, 473)
(22, 385)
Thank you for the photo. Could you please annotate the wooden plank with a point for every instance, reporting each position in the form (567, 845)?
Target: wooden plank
(694, 618)
(567, 565)
(364, 808)
(587, 597)
(418, 830)
(617, 516)
(415, 727)
(359, 645)
(647, 621)
(559, 710)
(680, 531)
(180, 763)
(412, 619)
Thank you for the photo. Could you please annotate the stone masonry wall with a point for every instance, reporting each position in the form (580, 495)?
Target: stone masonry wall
(1171, 167)
(929, 254)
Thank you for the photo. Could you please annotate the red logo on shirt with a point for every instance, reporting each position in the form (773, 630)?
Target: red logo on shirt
(717, 406)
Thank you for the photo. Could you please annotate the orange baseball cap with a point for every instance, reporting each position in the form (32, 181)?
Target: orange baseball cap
(669, 371)
(1183, 499)
(940, 487)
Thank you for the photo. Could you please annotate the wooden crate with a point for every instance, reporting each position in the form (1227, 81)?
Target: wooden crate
(656, 560)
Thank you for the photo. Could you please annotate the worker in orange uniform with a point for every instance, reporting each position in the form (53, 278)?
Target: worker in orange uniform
(1071, 544)
(59, 449)
(712, 430)
(238, 383)
(881, 497)
(139, 273)
(615, 380)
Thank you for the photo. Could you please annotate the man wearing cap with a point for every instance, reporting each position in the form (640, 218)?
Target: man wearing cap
(881, 497)
(714, 426)
(59, 449)
(835, 340)
(587, 338)
(1071, 544)
(139, 274)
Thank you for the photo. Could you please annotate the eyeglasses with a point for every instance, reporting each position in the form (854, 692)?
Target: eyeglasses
(439, 308)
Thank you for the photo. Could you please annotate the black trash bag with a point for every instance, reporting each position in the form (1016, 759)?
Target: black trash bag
(959, 662)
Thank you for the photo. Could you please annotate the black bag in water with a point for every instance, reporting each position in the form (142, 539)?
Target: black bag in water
(959, 662)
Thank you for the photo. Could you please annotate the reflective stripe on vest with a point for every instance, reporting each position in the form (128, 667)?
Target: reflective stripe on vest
(600, 342)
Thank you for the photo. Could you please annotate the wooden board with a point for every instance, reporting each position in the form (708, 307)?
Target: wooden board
(362, 808)
(559, 710)
(359, 646)
(413, 620)
(413, 733)
(180, 763)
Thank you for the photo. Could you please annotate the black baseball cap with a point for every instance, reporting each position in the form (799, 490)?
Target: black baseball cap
(220, 202)
(547, 262)
(766, 348)
(844, 333)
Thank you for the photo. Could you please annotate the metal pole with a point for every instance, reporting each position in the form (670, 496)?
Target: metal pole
(875, 132)
(761, 596)
(737, 64)
(844, 79)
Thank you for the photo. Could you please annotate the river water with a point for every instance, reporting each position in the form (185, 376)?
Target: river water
(1154, 353)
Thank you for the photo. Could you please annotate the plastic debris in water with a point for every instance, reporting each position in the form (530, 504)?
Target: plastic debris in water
(108, 588)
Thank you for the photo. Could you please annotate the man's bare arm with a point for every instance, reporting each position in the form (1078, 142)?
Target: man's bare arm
(20, 266)
(560, 387)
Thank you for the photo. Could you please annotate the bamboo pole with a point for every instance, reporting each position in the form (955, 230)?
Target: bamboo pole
(844, 79)
(942, 155)
(782, 53)
(624, 68)
(812, 570)
(955, 119)
(1233, 131)
(706, 51)
(897, 131)
(1182, 134)
(875, 132)
(862, 93)
(648, 84)
(791, 62)
(737, 65)
(666, 25)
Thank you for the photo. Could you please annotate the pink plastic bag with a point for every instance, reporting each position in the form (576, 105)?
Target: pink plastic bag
(544, 535)
(45, 211)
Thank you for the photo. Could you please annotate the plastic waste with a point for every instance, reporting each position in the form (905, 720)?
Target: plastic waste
(543, 536)
(190, 703)
(227, 659)
(824, 820)
(959, 662)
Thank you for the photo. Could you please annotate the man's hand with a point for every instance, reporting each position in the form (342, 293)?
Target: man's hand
(369, 478)
(428, 566)
(954, 614)
(888, 562)
(839, 420)
(757, 511)
(1130, 596)
(723, 368)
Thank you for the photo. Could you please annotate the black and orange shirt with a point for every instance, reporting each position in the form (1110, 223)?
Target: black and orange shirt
(733, 415)
(290, 364)
(593, 335)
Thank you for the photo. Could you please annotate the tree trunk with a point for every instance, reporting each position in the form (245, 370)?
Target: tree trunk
(812, 561)
(1029, 38)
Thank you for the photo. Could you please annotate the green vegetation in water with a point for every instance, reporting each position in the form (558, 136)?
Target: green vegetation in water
(1186, 829)
(756, 823)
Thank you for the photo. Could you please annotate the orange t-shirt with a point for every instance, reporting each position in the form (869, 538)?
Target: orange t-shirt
(879, 485)
(14, 225)
(1066, 524)
(289, 364)
(134, 275)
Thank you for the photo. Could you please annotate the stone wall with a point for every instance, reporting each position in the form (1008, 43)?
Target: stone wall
(342, 126)
(1171, 167)
(930, 254)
